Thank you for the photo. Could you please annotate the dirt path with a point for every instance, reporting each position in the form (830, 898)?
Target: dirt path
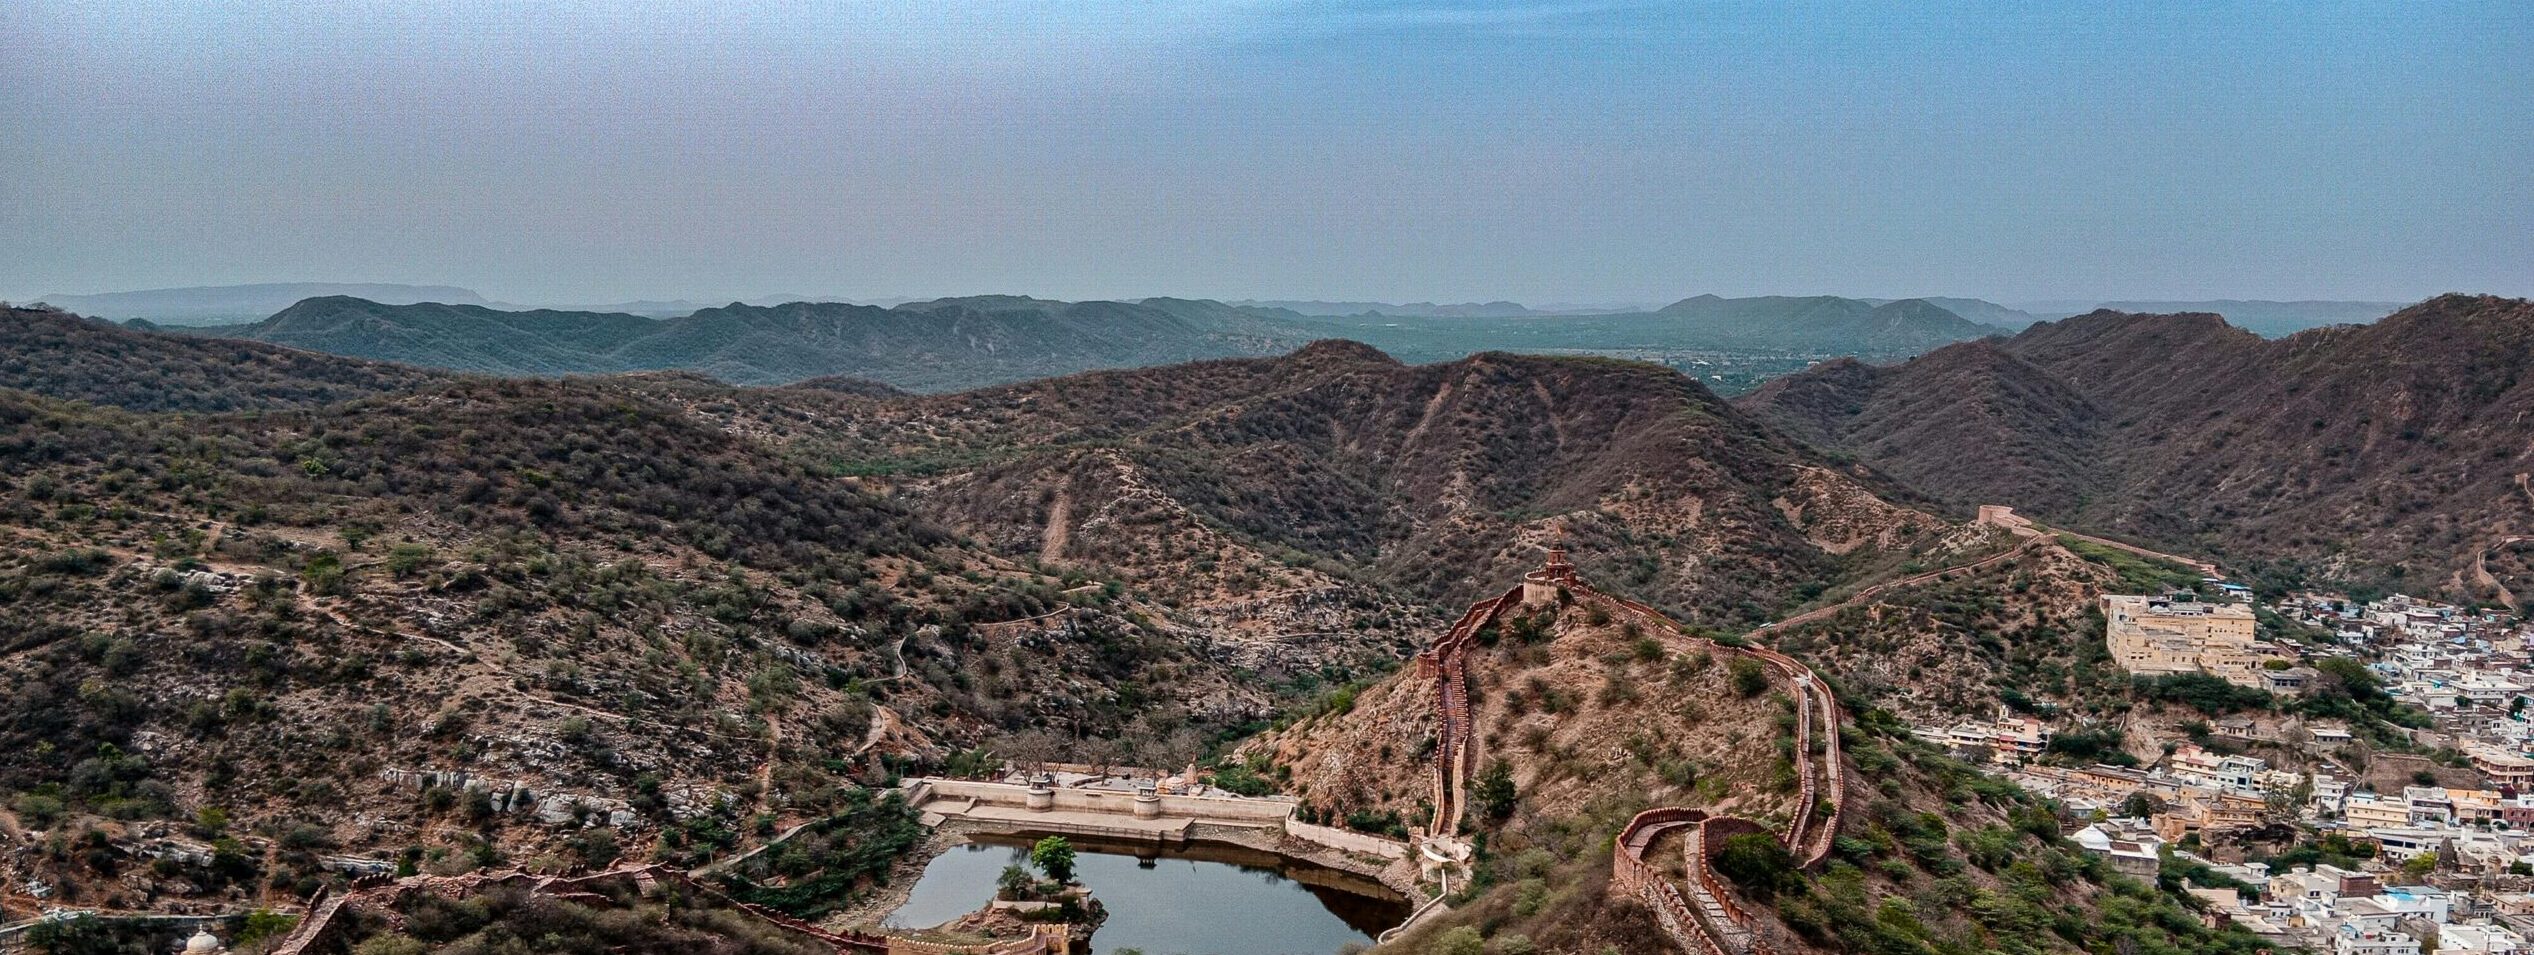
(773, 753)
(2482, 576)
(2205, 568)
(882, 721)
(1425, 420)
(1878, 590)
(1059, 528)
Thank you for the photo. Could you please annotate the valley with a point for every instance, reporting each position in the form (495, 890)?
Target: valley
(1382, 477)
(293, 626)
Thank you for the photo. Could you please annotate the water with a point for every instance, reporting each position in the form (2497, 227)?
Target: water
(1202, 900)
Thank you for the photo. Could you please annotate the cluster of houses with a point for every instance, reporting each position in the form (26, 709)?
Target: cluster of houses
(2443, 843)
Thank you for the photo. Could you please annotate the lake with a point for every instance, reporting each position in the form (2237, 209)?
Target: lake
(1199, 900)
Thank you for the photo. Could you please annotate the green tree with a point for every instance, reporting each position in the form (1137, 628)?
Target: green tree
(1759, 864)
(2141, 805)
(1496, 791)
(77, 935)
(1462, 940)
(1749, 677)
(1053, 855)
(2419, 866)
(1016, 883)
(262, 924)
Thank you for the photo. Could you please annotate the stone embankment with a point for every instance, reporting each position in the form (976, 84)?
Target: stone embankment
(13, 937)
(1144, 815)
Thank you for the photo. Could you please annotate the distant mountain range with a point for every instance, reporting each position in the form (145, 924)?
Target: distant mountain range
(237, 304)
(242, 304)
(1497, 309)
(1821, 325)
(2382, 450)
(943, 344)
(2264, 318)
(955, 343)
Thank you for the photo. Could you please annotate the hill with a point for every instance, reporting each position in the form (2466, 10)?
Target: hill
(1982, 311)
(930, 346)
(1338, 467)
(1639, 788)
(471, 616)
(2390, 453)
(461, 337)
(466, 622)
(2269, 319)
(61, 355)
(467, 615)
(1822, 323)
(234, 304)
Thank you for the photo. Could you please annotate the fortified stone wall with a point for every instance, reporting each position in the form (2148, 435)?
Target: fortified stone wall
(1264, 811)
(1346, 840)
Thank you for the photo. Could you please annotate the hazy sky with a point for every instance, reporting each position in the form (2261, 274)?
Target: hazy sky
(1422, 149)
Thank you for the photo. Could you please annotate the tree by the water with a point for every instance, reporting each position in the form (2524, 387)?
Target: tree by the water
(1053, 855)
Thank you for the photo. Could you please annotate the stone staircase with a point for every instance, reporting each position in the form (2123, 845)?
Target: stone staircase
(1721, 919)
(1456, 749)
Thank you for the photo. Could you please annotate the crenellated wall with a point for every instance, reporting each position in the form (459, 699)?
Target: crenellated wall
(1263, 811)
(1702, 913)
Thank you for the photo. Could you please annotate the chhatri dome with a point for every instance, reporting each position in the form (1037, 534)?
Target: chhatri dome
(203, 943)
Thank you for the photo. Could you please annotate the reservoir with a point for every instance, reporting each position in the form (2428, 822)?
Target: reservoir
(1201, 900)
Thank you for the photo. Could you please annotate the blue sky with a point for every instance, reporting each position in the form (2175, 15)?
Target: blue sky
(1544, 152)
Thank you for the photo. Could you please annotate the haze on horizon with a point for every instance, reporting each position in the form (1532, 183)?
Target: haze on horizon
(1443, 150)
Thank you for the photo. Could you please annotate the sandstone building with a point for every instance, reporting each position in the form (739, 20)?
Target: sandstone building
(2155, 636)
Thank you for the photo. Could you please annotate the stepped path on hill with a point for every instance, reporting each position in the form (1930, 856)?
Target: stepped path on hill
(1706, 918)
(2029, 536)
(1699, 910)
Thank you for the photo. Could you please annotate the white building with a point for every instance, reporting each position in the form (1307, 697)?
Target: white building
(2353, 940)
(2478, 940)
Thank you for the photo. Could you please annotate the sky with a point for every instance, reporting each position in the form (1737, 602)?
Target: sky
(1568, 151)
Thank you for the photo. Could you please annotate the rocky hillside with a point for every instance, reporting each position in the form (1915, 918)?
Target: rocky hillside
(445, 623)
(1337, 467)
(1578, 700)
(2022, 628)
(389, 608)
(2387, 453)
(1588, 712)
(467, 618)
(65, 356)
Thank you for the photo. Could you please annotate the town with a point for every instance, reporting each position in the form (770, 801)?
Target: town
(2392, 829)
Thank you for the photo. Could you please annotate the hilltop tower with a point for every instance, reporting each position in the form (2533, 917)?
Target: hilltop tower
(1540, 586)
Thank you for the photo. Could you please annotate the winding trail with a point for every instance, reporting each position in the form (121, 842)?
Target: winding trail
(2482, 576)
(1700, 914)
(1878, 590)
(1699, 909)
